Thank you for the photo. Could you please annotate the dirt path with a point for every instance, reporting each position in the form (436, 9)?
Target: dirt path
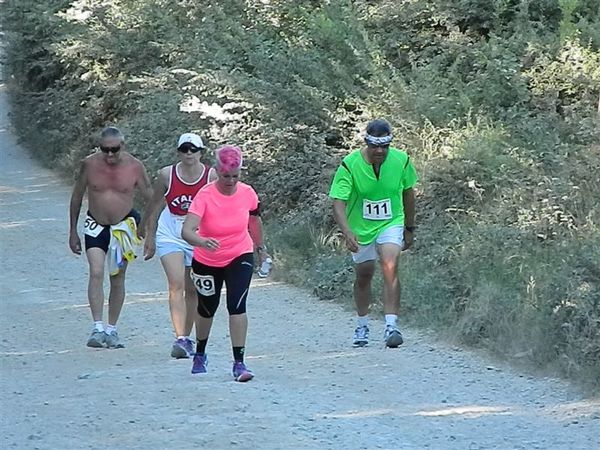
(312, 391)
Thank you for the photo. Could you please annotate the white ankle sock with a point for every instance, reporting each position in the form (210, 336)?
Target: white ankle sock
(183, 337)
(362, 321)
(98, 326)
(110, 328)
(391, 320)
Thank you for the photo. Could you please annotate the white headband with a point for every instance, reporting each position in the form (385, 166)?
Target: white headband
(381, 140)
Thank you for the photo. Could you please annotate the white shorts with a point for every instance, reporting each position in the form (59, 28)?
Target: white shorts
(391, 235)
(164, 248)
(168, 236)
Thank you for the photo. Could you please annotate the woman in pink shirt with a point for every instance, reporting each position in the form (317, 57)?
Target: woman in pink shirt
(224, 226)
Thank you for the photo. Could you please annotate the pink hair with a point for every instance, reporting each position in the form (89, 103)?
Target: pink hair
(229, 158)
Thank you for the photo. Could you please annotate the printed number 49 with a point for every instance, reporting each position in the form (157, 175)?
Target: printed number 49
(206, 284)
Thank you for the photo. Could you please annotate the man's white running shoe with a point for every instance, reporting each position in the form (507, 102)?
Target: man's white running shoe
(97, 339)
(392, 336)
(112, 340)
(361, 336)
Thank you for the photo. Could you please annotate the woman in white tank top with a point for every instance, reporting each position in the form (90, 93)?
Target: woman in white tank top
(175, 188)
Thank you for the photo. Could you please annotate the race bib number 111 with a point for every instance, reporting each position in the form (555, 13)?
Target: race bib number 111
(377, 210)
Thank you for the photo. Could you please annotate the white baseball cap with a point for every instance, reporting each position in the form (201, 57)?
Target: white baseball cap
(191, 138)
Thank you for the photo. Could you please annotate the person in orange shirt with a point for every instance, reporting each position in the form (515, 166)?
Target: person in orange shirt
(224, 253)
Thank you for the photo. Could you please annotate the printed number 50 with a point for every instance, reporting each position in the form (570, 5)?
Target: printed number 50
(90, 224)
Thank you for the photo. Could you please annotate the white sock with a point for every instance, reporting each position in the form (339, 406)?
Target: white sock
(362, 321)
(391, 320)
(183, 337)
(110, 328)
(98, 326)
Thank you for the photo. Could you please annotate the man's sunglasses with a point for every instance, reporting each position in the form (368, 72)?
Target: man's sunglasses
(110, 149)
(189, 148)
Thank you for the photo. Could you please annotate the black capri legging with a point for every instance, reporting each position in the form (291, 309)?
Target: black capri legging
(209, 282)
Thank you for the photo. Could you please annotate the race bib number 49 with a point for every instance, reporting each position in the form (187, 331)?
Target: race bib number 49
(205, 284)
(91, 227)
(377, 210)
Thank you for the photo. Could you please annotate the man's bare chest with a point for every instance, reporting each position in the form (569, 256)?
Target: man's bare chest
(115, 180)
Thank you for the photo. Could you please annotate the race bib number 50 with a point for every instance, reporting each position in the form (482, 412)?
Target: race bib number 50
(377, 210)
(205, 284)
(91, 227)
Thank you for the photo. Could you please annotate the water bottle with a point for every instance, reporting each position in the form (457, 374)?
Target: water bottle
(265, 268)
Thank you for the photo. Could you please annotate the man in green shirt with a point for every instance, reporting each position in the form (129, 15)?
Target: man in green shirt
(374, 206)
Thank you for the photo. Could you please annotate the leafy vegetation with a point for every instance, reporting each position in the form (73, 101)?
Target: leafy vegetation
(498, 103)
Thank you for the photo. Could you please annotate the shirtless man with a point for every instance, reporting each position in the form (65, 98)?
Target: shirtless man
(110, 178)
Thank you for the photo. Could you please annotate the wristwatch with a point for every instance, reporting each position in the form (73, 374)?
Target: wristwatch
(410, 229)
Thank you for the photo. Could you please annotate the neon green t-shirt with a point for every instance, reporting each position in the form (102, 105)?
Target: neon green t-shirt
(373, 203)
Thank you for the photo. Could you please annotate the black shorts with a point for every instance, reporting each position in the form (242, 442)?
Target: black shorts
(102, 240)
(209, 282)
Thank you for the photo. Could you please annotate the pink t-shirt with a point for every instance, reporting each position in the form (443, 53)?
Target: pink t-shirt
(224, 218)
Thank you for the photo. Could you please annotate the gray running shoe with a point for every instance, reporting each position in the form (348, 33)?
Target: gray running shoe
(392, 336)
(97, 339)
(361, 336)
(190, 347)
(181, 348)
(113, 341)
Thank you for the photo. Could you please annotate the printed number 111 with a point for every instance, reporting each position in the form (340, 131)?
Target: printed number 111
(380, 208)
